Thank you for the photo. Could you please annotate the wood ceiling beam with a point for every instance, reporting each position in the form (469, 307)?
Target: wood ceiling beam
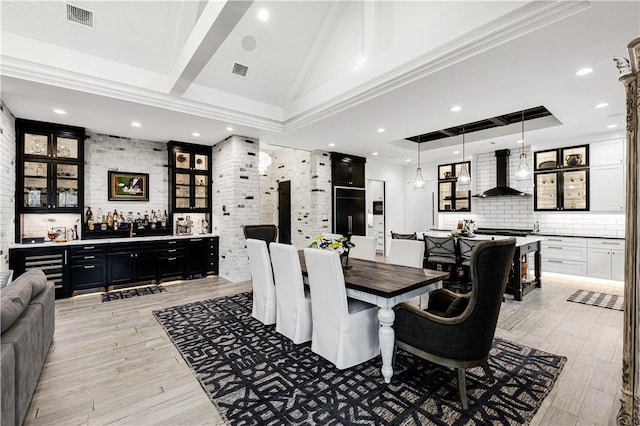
(217, 20)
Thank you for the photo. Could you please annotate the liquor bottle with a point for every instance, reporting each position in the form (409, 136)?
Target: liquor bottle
(164, 219)
(130, 217)
(109, 220)
(89, 215)
(100, 215)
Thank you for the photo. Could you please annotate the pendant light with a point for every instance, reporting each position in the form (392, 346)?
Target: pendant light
(418, 183)
(523, 172)
(464, 178)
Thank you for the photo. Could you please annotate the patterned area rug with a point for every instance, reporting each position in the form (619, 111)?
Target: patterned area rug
(131, 292)
(256, 376)
(594, 298)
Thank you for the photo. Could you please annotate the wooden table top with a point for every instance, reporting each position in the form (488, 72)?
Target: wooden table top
(384, 279)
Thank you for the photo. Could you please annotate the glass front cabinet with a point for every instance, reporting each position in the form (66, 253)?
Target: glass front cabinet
(50, 167)
(190, 177)
(562, 179)
(450, 195)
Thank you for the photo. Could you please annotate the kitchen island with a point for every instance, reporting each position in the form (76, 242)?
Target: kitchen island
(518, 285)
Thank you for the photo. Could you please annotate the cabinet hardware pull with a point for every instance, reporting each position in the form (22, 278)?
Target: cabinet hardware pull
(172, 250)
(171, 242)
(65, 257)
(554, 261)
(89, 257)
(611, 243)
(89, 266)
(196, 240)
(172, 258)
(555, 247)
(89, 247)
(553, 239)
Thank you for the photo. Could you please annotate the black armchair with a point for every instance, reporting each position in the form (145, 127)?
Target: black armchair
(268, 233)
(396, 236)
(457, 330)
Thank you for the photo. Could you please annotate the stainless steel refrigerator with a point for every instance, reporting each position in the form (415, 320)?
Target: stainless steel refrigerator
(349, 211)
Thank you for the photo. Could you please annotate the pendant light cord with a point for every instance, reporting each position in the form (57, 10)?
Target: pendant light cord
(522, 148)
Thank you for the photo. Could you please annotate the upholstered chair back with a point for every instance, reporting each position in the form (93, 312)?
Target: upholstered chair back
(441, 249)
(396, 236)
(365, 248)
(264, 291)
(406, 253)
(268, 233)
(466, 246)
(293, 310)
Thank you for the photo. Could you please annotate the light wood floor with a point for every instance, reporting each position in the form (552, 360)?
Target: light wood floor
(111, 363)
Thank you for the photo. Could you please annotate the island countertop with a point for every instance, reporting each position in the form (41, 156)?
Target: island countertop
(520, 241)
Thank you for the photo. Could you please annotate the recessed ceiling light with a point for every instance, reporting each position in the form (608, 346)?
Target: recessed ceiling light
(519, 141)
(612, 126)
(196, 134)
(408, 160)
(135, 124)
(602, 105)
(229, 129)
(381, 130)
(332, 144)
(263, 15)
(59, 111)
(456, 152)
(374, 153)
(456, 108)
(584, 71)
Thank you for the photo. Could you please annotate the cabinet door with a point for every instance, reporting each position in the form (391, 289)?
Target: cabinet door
(546, 191)
(66, 147)
(617, 265)
(341, 173)
(171, 266)
(575, 189)
(66, 185)
(607, 188)
(36, 178)
(607, 153)
(120, 267)
(182, 191)
(599, 263)
(145, 265)
(201, 192)
(89, 275)
(357, 174)
(196, 257)
(445, 196)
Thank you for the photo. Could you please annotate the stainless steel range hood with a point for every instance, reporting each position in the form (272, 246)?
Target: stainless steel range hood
(502, 188)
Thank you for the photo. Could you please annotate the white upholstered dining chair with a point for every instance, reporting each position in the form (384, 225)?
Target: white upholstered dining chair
(293, 307)
(264, 291)
(406, 253)
(365, 247)
(345, 331)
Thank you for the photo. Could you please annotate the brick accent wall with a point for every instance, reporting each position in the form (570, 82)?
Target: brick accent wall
(321, 195)
(7, 183)
(236, 186)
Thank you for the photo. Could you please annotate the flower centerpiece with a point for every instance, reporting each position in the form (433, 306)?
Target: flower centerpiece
(341, 245)
(465, 228)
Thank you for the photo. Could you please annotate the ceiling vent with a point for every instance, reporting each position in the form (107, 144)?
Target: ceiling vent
(239, 69)
(80, 16)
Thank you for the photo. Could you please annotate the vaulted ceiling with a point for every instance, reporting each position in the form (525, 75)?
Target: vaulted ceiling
(320, 72)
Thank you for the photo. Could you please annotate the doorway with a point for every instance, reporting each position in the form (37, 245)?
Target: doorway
(284, 212)
(377, 213)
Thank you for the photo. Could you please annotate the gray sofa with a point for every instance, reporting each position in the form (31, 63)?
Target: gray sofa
(27, 322)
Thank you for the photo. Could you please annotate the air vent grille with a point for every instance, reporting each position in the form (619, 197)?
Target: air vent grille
(80, 16)
(239, 69)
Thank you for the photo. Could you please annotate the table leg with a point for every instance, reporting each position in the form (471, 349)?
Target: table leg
(387, 338)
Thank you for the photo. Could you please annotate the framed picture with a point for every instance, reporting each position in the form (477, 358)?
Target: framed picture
(125, 186)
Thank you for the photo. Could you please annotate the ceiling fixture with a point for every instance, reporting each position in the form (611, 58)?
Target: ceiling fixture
(612, 126)
(332, 144)
(135, 124)
(381, 130)
(263, 15)
(59, 111)
(239, 69)
(523, 172)
(418, 183)
(584, 71)
(464, 178)
(229, 129)
(80, 16)
(456, 108)
(374, 153)
(602, 105)
(196, 134)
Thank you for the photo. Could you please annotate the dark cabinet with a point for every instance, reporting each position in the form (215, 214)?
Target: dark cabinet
(561, 179)
(349, 211)
(131, 263)
(88, 266)
(196, 261)
(212, 255)
(53, 261)
(347, 170)
(171, 259)
(189, 177)
(451, 197)
(50, 167)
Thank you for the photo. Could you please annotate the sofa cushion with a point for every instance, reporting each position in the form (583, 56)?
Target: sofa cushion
(8, 384)
(38, 281)
(13, 300)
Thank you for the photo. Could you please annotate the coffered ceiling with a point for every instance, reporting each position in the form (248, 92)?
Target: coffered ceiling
(321, 72)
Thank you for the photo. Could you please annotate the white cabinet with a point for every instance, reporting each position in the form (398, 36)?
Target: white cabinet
(564, 255)
(377, 190)
(607, 188)
(605, 259)
(606, 153)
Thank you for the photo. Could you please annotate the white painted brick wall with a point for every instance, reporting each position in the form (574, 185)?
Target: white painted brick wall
(321, 195)
(7, 183)
(236, 186)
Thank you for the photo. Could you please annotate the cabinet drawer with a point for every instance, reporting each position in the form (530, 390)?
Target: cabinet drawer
(171, 266)
(88, 275)
(564, 267)
(606, 244)
(558, 252)
(564, 241)
(89, 250)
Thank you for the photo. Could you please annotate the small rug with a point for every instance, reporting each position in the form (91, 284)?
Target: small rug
(594, 298)
(131, 292)
(254, 375)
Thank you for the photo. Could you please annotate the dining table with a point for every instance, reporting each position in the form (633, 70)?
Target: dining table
(386, 285)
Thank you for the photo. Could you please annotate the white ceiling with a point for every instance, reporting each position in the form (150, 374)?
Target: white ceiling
(321, 71)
